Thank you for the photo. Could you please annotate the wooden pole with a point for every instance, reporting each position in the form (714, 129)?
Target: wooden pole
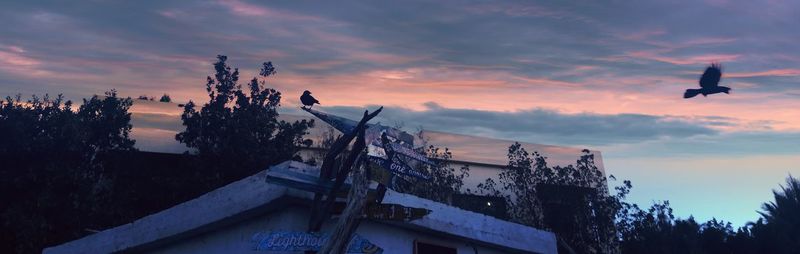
(351, 216)
(327, 169)
(354, 158)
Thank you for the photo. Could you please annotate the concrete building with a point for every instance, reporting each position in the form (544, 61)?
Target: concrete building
(155, 125)
(237, 217)
(486, 157)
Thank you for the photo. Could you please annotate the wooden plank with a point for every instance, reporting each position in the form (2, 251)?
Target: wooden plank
(297, 180)
(351, 216)
(301, 185)
(305, 182)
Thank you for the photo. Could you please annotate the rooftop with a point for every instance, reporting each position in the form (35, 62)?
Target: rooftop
(253, 196)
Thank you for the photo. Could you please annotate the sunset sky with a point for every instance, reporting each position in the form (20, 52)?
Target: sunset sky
(606, 75)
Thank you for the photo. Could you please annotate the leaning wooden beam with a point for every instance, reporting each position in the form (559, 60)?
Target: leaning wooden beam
(341, 175)
(341, 143)
(351, 216)
(328, 163)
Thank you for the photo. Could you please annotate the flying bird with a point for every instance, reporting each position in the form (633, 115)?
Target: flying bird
(709, 83)
(308, 100)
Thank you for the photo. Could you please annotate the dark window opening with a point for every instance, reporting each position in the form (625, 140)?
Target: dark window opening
(427, 248)
(488, 205)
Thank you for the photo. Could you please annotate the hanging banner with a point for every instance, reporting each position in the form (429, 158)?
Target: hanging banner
(410, 153)
(383, 144)
(284, 241)
(398, 167)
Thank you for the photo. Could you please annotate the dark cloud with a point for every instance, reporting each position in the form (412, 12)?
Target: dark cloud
(768, 84)
(642, 47)
(165, 122)
(153, 41)
(618, 136)
(732, 144)
(541, 125)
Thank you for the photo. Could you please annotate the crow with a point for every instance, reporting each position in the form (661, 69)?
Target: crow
(308, 100)
(709, 83)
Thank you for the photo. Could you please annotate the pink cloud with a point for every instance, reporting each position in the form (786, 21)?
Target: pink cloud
(321, 65)
(546, 82)
(641, 35)
(709, 40)
(718, 3)
(513, 10)
(528, 9)
(170, 13)
(246, 9)
(322, 34)
(577, 70)
(243, 8)
(15, 60)
(15, 56)
(499, 90)
(655, 55)
(665, 46)
(383, 58)
(773, 73)
(393, 74)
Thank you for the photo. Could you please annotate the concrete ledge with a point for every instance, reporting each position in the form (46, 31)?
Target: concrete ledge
(477, 227)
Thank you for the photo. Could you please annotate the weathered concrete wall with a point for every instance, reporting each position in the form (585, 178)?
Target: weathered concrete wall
(469, 225)
(237, 238)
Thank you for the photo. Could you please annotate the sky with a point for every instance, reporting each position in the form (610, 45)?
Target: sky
(605, 75)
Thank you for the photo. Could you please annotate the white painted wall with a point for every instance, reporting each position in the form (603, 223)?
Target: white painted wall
(237, 238)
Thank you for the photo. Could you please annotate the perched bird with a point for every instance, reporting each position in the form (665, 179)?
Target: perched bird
(308, 100)
(709, 83)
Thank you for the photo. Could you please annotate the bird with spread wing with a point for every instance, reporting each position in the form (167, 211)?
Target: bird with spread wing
(709, 83)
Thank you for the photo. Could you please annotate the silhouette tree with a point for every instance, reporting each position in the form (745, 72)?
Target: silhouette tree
(582, 215)
(781, 218)
(235, 133)
(109, 122)
(165, 98)
(656, 230)
(648, 231)
(445, 181)
(53, 181)
(600, 222)
(714, 236)
(517, 185)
